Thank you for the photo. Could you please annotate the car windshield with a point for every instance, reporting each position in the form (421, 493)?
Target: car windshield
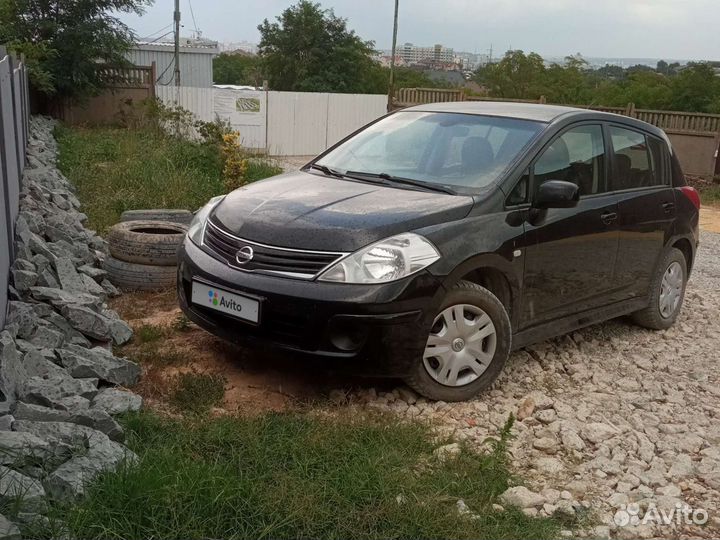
(449, 149)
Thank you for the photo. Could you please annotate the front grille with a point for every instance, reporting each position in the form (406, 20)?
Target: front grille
(296, 263)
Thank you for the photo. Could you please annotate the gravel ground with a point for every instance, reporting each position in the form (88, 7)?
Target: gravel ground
(291, 163)
(614, 421)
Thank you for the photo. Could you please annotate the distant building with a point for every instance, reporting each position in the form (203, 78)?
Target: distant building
(413, 54)
(245, 46)
(384, 60)
(195, 60)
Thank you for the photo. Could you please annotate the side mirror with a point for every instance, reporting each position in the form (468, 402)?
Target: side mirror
(556, 194)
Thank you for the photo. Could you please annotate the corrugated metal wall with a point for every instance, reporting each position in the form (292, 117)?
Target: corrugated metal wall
(14, 118)
(285, 123)
(195, 67)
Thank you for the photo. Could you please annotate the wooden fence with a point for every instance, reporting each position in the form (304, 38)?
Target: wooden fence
(670, 121)
(124, 87)
(14, 126)
(132, 76)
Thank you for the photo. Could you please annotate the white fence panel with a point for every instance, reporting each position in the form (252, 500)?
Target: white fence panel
(297, 123)
(349, 112)
(306, 123)
(281, 123)
(197, 100)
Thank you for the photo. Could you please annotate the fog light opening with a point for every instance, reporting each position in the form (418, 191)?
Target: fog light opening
(348, 337)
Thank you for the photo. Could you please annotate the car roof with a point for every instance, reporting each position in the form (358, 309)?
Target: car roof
(531, 111)
(527, 111)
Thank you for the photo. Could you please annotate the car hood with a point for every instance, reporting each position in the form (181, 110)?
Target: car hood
(308, 211)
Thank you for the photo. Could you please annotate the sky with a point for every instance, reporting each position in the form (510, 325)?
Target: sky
(671, 29)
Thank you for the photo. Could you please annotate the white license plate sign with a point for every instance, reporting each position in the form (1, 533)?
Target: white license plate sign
(233, 304)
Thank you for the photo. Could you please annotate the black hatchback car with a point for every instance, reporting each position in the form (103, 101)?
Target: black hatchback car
(435, 240)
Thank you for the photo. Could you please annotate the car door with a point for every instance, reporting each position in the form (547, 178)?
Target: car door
(570, 253)
(640, 177)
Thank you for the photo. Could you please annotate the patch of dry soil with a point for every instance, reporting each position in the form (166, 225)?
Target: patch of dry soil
(257, 380)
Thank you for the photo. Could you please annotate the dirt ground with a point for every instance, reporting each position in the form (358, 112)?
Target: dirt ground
(256, 380)
(710, 219)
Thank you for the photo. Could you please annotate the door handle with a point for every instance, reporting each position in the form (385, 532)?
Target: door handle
(668, 207)
(608, 217)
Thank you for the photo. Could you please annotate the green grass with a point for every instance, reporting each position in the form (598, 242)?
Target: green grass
(710, 195)
(118, 169)
(295, 475)
(181, 323)
(197, 392)
(148, 333)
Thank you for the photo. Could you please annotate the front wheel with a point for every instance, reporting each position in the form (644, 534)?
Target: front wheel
(467, 346)
(667, 291)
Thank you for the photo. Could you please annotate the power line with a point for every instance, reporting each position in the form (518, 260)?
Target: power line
(165, 71)
(158, 31)
(192, 15)
(159, 38)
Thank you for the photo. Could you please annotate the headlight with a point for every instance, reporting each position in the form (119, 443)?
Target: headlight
(197, 225)
(387, 260)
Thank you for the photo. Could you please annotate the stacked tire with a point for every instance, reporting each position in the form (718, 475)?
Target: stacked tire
(143, 252)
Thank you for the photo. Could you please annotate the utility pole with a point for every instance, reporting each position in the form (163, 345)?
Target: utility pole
(391, 87)
(176, 17)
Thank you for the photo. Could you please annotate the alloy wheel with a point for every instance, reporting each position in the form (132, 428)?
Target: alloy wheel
(460, 346)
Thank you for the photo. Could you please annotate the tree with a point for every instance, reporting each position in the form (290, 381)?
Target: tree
(695, 88)
(568, 83)
(237, 68)
(311, 49)
(645, 88)
(64, 41)
(516, 76)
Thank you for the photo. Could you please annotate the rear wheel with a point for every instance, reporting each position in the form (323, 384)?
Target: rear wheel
(667, 291)
(467, 346)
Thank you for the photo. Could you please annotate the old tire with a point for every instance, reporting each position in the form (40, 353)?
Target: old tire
(483, 337)
(667, 291)
(146, 242)
(139, 277)
(184, 217)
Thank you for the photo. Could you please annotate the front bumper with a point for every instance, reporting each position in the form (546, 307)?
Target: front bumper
(372, 329)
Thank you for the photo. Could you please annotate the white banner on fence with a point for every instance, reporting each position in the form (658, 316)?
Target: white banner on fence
(245, 110)
(240, 107)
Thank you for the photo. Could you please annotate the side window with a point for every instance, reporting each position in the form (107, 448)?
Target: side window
(658, 150)
(576, 156)
(638, 160)
(519, 194)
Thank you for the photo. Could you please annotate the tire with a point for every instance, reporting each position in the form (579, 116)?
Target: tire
(475, 301)
(139, 277)
(653, 316)
(146, 242)
(184, 217)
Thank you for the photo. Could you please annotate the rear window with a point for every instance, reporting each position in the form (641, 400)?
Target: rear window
(453, 149)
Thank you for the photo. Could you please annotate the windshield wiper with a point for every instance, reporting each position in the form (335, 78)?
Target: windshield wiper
(406, 181)
(327, 170)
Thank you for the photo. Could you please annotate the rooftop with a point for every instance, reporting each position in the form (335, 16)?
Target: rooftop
(528, 111)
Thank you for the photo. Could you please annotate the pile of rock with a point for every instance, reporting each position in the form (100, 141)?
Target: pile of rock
(57, 370)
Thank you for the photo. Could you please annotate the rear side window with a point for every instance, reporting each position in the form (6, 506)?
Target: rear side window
(638, 160)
